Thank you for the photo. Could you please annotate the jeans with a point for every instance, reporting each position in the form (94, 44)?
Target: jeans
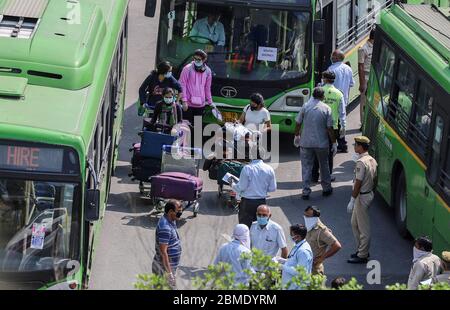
(307, 156)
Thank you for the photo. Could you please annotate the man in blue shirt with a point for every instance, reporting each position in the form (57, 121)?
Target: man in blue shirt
(300, 255)
(209, 30)
(168, 245)
(256, 180)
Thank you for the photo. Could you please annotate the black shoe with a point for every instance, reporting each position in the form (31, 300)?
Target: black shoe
(333, 178)
(355, 255)
(357, 260)
(305, 197)
(327, 193)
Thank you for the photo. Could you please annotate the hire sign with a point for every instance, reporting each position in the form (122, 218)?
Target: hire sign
(19, 158)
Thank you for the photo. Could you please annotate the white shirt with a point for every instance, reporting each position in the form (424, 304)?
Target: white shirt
(256, 180)
(344, 78)
(269, 239)
(300, 255)
(256, 118)
(231, 253)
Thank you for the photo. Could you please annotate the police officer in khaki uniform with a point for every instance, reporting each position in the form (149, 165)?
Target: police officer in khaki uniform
(322, 241)
(425, 266)
(362, 196)
(444, 277)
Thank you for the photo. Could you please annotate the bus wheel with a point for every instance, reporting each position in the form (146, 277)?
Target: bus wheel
(400, 204)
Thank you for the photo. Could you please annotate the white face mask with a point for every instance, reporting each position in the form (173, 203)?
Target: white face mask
(310, 222)
(356, 156)
(417, 254)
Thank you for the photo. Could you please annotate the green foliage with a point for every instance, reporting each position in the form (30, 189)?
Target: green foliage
(440, 286)
(152, 282)
(220, 277)
(396, 287)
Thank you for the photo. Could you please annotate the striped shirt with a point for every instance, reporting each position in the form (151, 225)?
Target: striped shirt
(166, 233)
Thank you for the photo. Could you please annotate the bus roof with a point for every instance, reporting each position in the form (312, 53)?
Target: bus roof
(51, 42)
(38, 109)
(423, 31)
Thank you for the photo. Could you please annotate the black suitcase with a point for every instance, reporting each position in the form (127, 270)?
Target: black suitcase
(142, 168)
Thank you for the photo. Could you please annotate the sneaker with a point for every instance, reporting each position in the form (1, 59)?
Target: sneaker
(327, 193)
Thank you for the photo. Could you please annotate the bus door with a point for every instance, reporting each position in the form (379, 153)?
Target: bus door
(325, 50)
(439, 177)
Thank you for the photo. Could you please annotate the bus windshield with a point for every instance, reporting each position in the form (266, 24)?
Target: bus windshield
(39, 225)
(243, 43)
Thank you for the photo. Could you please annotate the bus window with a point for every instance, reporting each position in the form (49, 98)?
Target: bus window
(424, 104)
(344, 23)
(386, 71)
(400, 108)
(435, 163)
(445, 178)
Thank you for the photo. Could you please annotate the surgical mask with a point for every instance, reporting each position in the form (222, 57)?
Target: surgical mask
(178, 215)
(253, 108)
(198, 63)
(294, 239)
(168, 75)
(356, 156)
(310, 222)
(168, 100)
(262, 220)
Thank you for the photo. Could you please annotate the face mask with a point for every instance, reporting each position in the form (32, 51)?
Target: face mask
(262, 220)
(356, 156)
(168, 74)
(310, 222)
(178, 215)
(293, 239)
(198, 63)
(418, 253)
(168, 100)
(253, 108)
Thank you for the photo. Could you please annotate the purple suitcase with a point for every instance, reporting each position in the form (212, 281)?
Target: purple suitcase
(176, 185)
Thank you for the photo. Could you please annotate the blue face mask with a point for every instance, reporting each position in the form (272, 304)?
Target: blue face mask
(168, 75)
(293, 239)
(198, 63)
(262, 220)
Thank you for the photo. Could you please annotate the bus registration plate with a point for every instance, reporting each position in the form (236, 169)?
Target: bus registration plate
(229, 116)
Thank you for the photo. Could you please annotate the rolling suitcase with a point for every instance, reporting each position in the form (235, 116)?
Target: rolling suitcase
(142, 168)
(152, 143)
(176, 185)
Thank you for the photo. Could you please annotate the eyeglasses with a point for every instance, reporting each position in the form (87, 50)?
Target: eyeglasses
(197, 59)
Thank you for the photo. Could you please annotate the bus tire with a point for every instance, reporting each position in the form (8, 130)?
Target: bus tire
(400, 205)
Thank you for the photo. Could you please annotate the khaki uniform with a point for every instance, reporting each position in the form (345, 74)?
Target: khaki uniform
(319, 239)
(365, 170)
(364, 57)
(424, 268)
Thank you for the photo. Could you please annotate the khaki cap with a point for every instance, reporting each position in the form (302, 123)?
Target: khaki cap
(362, 139)
(446, 256)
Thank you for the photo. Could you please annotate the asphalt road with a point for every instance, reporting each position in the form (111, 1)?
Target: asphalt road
(126, 244)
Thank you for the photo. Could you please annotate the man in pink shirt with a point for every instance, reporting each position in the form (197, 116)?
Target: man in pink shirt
(196, 79)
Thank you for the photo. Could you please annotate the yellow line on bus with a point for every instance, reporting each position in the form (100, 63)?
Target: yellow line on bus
(410, 151)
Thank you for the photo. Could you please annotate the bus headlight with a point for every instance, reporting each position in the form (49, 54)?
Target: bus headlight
(291, 101)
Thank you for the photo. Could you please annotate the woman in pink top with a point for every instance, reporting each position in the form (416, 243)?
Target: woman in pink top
(195, 79)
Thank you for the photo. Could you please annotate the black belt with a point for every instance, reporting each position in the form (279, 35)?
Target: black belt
(364, 193)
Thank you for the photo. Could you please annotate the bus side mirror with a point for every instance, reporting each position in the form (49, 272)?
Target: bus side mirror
(319, 31)
(92, 205)
(150, 8)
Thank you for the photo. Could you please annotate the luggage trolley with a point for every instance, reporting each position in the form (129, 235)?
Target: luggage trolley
(178, 179)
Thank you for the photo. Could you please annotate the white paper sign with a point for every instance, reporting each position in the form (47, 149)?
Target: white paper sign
(37, 236)
(267, 53)
(171, 15)
(228, 177)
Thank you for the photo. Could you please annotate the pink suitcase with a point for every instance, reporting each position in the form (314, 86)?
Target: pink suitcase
(176, 185)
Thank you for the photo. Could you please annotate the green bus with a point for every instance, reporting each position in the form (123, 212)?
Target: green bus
(408, 119)
(275, 47)
(62, 83)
